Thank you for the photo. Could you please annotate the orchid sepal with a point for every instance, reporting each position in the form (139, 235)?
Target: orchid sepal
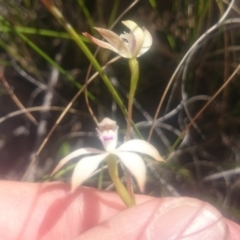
(142, 147)
(84, 169)
(74, 154)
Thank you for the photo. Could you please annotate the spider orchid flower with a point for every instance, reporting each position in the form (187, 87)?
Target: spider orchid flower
(128, 45)
(127, 153)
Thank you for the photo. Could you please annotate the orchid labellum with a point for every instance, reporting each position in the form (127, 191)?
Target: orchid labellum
(128, 45)
(129, 153)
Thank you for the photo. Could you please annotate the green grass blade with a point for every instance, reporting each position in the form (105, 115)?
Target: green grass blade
(113, 13)
(41, 32)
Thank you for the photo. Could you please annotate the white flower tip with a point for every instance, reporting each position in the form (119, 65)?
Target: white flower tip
(90, 37)
(155, 154)
(141, 182)
(126, 22)
(74, 186)
(56, 169)
(159, 158)
(76, 181)
(85, 34)
(130, 24)
(141, 185)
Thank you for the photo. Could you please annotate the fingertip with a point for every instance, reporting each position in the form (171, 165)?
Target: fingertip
(52, 210)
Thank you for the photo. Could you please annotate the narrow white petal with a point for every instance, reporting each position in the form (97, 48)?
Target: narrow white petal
(147, 43)
(135, 165)
(115, 40)
(74, 154)
(141, 146)
(85, 168)
(101, 43)
(138, 37)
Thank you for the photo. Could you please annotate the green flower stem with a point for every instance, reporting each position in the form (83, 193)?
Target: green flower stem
(121, 190)
(134, 69)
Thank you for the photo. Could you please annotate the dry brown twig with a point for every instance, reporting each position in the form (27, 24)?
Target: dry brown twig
(16, 100)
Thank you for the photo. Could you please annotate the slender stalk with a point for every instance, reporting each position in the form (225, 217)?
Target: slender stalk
(121, 190)
(134, 69)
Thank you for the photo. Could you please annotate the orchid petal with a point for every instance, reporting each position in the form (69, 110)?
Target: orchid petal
(74, 154)
(108, 134)
(137, 39)
(85, 168)
(116, 41)
(101, 43)
(141, 146)
(135, 165)
(147, 42)
(109, 139)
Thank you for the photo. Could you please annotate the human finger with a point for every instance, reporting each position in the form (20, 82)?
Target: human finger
(51, 211)
(166, 219)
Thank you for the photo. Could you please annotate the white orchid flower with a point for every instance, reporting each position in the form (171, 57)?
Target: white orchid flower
(127, 153)
(128, 45)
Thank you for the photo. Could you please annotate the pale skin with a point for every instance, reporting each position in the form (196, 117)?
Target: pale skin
(49, 211)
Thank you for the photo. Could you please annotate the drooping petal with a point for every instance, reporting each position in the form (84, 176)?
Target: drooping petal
(128, 45)
(117, 43)
(135, 165)
(101, 43)
(85, 168)
(74, 154)
(141, 146)
(147, 42)
(137, 39)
